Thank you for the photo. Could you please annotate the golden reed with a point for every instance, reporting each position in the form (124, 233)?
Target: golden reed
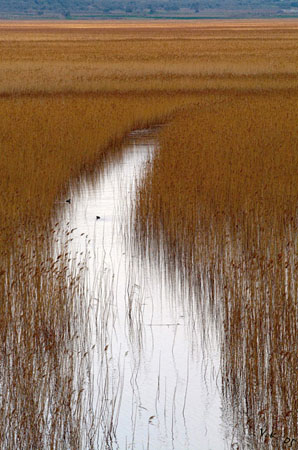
(222, 191)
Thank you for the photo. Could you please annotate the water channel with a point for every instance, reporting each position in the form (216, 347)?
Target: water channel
(154, 375)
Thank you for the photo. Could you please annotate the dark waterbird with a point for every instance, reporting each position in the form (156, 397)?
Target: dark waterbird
(97, 217)
(68, 200)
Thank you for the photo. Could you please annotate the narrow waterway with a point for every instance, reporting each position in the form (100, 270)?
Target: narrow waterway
(154, 379)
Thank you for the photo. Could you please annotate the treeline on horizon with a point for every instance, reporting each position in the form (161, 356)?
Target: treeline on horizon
(67, 8)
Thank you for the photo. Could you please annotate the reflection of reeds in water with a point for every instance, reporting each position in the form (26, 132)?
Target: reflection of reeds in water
(60, 382)
(222, 197)
(38, 308)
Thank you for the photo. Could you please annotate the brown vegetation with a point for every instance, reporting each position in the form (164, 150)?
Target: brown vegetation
(222, 197)
(222, 191)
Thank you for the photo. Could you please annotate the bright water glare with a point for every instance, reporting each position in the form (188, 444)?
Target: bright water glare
(154, 378)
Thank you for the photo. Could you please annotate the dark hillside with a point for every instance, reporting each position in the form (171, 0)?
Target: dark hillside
(146, 8)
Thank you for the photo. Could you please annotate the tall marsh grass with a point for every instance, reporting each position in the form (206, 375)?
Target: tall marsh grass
(43, 319)
(222, 193)
(222, 196)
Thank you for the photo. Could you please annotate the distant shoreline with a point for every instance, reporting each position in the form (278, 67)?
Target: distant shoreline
(225, 15)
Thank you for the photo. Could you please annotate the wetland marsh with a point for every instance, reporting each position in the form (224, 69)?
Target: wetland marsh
(170, 320)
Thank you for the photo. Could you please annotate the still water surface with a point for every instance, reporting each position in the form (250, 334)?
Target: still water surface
(154, 379)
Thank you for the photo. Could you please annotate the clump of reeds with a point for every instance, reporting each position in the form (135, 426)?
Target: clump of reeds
(222, 197)
(43, 339)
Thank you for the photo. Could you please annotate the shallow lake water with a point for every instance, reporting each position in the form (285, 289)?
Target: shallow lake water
(154, 378)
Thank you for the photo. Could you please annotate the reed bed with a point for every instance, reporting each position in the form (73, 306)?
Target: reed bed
(42, 379)
(221, 196)
(222, 193)
(69, 92)
(139, 57)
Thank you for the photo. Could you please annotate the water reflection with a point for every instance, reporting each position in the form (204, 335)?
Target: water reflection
(244, 268)
(153, 379)
(109, 340)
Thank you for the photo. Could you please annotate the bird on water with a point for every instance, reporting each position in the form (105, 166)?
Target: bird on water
(97, 217)
(68, 200)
